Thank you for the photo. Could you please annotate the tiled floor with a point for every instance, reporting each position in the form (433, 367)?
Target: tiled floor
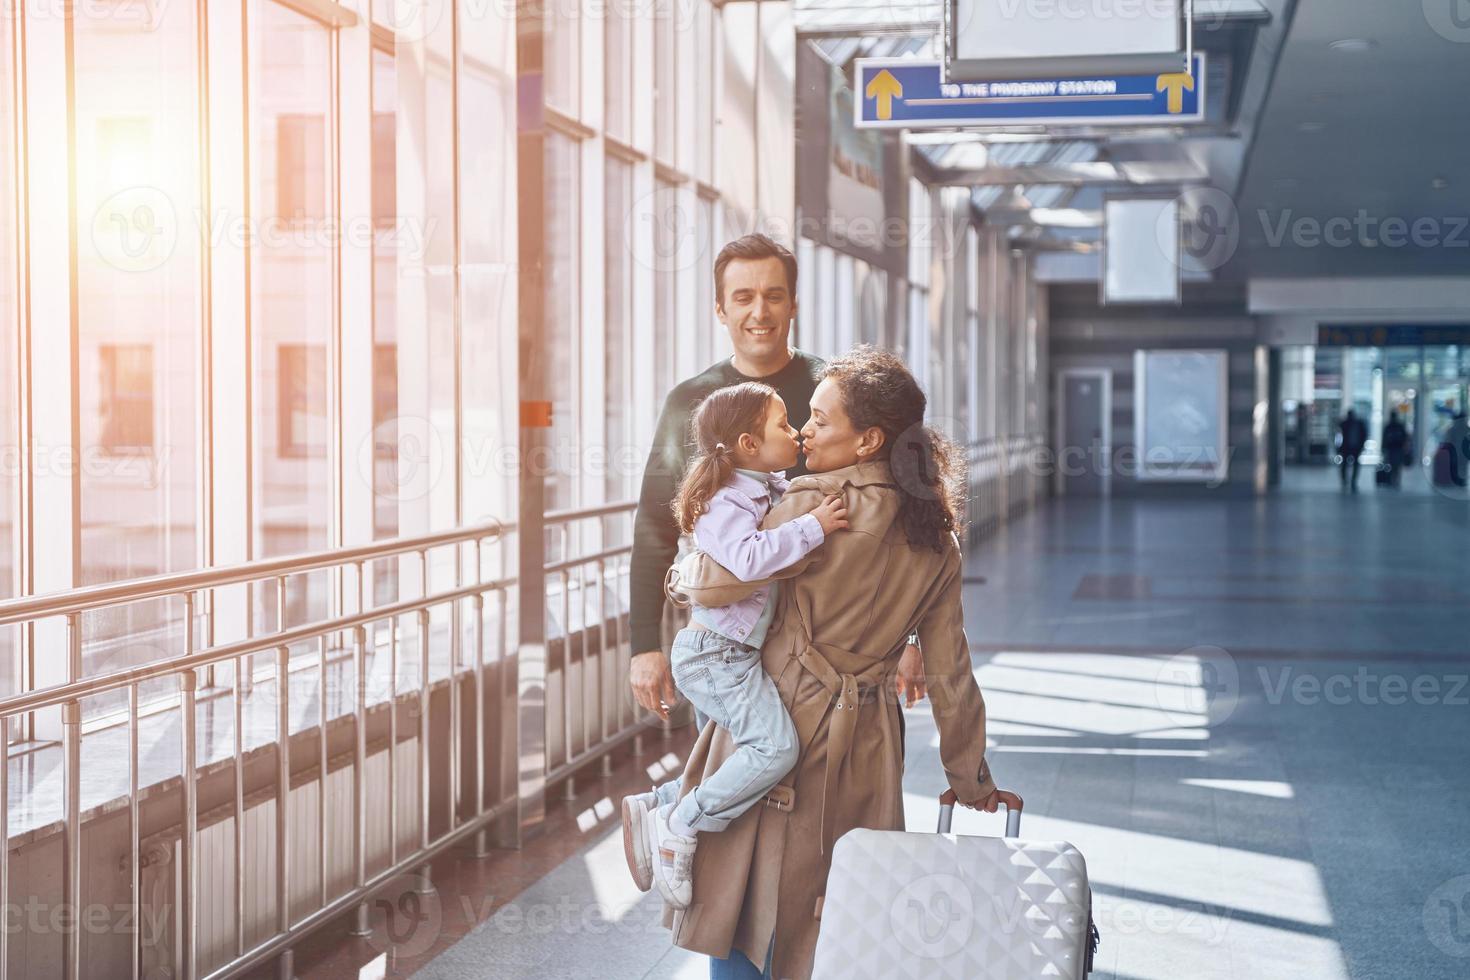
(1253, 721)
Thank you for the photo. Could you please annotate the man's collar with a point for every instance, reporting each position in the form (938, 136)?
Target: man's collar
(790, 356)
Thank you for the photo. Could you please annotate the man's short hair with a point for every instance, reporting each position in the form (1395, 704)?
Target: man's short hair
(753, 247)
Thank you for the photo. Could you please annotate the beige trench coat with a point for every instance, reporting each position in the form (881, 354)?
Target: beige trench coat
(832, 651)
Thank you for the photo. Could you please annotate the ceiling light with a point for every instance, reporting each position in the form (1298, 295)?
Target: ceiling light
(1439, 183)
(1311, 126)
(1353, 45)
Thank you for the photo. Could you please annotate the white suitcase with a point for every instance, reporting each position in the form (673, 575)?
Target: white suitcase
(943, 905)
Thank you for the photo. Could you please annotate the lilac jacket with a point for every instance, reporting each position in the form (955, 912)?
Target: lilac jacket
(730, 533)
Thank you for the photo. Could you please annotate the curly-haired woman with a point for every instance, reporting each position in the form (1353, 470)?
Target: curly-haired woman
(832, 649)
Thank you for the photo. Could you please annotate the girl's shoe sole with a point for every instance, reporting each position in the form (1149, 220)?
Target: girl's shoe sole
(635, 844)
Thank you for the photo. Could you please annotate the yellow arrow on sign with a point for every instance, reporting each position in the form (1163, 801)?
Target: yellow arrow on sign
(885, 88)
(1175, 83)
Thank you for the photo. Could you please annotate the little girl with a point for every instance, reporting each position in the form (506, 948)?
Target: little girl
(744, 443)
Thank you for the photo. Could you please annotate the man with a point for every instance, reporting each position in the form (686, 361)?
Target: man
(755, 298)
(1395, 447)
(1354, 436)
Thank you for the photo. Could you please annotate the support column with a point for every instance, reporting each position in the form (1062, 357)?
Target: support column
(535, 405)
(51, 498)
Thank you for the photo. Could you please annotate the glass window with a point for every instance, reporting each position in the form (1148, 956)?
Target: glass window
(563, 55)
(301, 171)
(623, 464)
(291, 295)
(9, 325)
(385, 315)
(125, 398)
(139, 315)
(488, 337)
(664, 81)
(665, 277)
(704, 92)
(302, 419)
(707, 325)
(618, 45)
(415, 386)
(563, 311)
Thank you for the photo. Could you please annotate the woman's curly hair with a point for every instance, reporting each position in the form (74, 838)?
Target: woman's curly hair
(878, 390)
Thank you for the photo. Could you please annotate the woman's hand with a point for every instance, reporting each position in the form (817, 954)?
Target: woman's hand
(910, 680)
(994, 800)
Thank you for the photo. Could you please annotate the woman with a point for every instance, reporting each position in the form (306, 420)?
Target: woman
(832, 650)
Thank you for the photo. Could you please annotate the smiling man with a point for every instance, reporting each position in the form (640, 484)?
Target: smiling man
(755, 298)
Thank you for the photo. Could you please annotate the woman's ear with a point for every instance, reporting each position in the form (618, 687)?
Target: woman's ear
(870, 442)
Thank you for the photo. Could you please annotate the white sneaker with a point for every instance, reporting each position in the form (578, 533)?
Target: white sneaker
(636, 810)
(673, 859)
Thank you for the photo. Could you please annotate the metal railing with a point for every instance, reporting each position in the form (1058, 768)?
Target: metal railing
(566, 577)
(1002, 479)
(595, 711)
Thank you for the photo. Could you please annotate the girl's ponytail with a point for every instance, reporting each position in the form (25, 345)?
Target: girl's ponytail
(707, 473)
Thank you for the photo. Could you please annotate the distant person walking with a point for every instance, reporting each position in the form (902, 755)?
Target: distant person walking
(1452, 458)
(1395, 447)
(1354, 434)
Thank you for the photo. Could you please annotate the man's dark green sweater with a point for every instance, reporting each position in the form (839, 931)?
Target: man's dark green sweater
(655, 535)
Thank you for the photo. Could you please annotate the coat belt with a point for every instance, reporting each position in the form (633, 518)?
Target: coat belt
(847, 689)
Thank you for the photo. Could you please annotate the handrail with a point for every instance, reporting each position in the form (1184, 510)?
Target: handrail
(587, 513)
(176, 583)
(48, 697)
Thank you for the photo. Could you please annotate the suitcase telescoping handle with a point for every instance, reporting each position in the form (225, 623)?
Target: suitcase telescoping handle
(947, 800)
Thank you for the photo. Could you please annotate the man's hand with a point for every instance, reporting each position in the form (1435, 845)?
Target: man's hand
(912, 686)
(652, 682)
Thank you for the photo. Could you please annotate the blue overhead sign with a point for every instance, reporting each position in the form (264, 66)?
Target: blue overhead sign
(909, 94)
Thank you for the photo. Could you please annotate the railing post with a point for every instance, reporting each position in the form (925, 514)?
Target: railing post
(71, 738)
(134, 833)
(241, 671)
(566, 665)
(424, 731)
(393, 741)
(478, 606)
(322, 763)
(359, 778)
(188, 872)
(4, 843)
(283, 800)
